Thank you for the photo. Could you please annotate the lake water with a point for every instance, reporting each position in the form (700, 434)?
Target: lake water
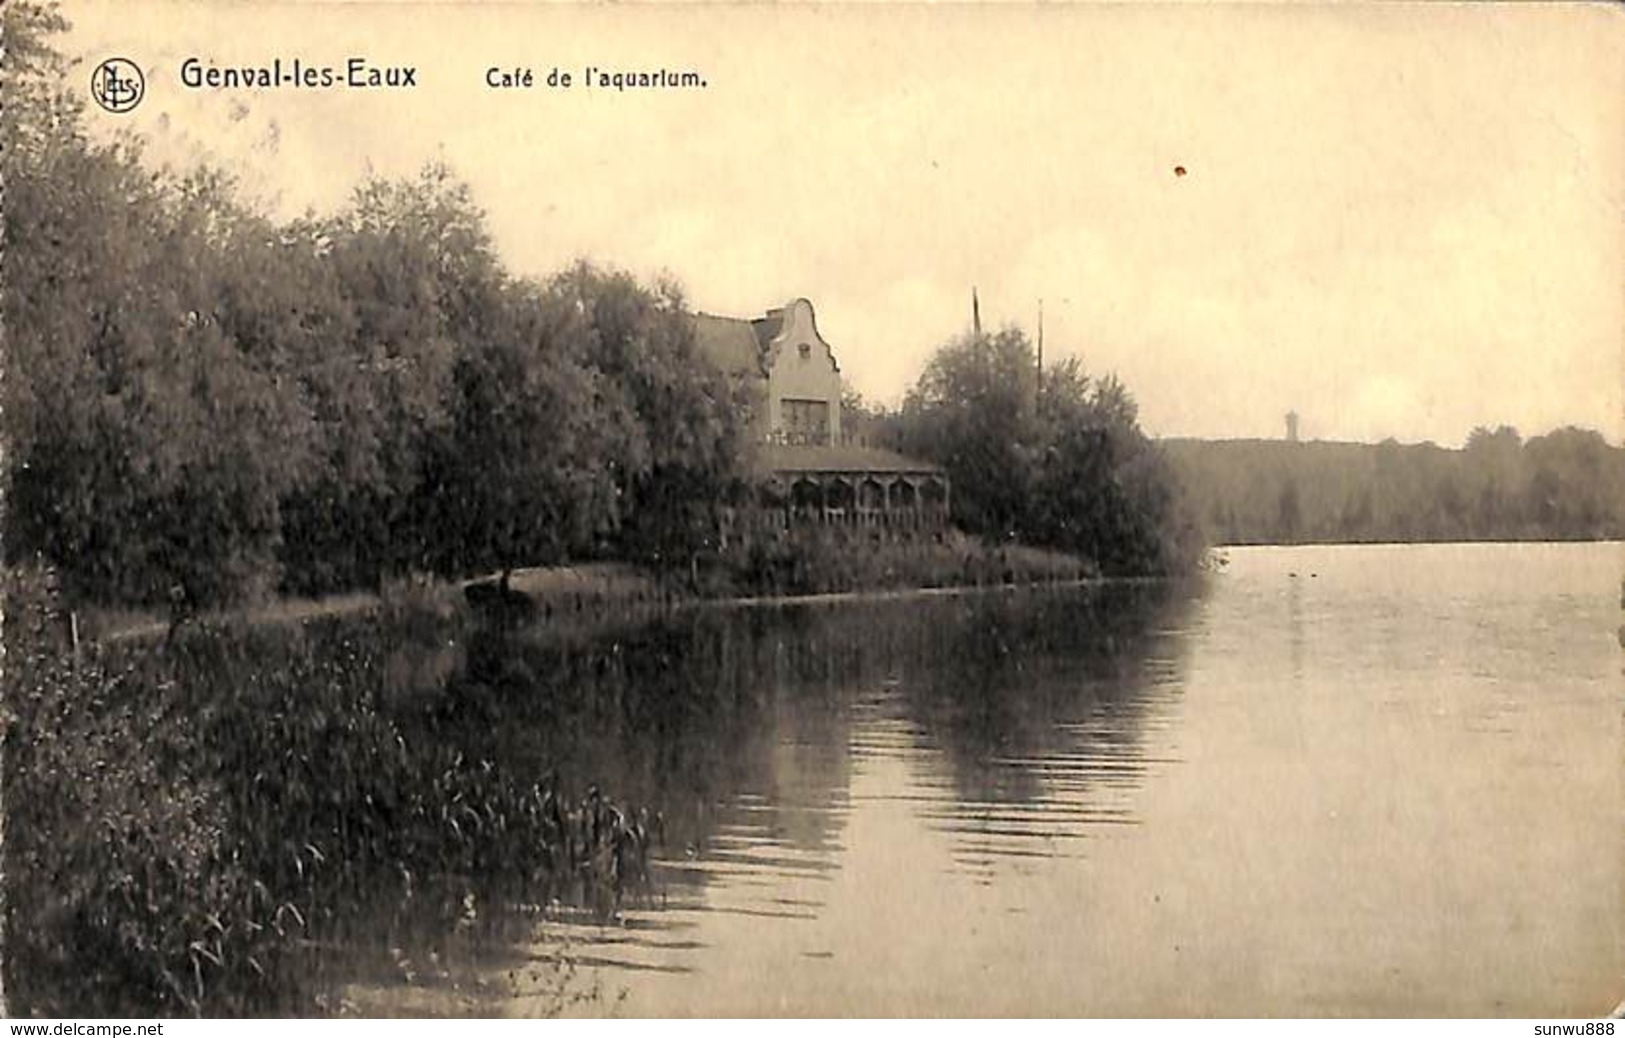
(1376, 780)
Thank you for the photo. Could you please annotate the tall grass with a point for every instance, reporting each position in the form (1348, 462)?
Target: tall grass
(197, 827)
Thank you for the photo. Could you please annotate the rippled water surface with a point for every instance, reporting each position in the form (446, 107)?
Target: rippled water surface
(1353, 780)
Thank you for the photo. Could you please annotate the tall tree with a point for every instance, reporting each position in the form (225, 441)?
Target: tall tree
(673, 433)
(973, 411)
(151, 449)
(1062, 464)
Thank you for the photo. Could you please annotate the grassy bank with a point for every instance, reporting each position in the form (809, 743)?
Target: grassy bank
(814, 561)
(558, 591)
(819, 560)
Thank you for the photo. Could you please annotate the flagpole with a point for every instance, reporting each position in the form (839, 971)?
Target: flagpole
(1038, 394)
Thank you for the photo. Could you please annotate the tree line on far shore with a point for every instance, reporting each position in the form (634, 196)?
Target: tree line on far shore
(1568, 484)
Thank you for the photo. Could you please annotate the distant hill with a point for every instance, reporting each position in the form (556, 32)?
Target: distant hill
(1566, 485)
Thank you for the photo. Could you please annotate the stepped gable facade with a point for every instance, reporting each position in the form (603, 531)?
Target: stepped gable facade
(808, 468)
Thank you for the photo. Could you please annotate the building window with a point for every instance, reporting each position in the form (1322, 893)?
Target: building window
(805, 421)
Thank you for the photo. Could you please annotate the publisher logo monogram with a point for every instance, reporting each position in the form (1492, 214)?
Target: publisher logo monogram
(117, 85)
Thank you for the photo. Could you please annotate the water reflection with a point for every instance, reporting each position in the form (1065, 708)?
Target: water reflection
(1283, 795)
(1012, 724)
(1030, 713)
(1373, 791)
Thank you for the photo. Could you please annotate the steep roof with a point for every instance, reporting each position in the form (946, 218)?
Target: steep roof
(779, 457)
(730, 343)
(739, 345)
(767, 328)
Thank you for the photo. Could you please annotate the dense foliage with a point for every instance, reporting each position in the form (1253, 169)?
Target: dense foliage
(1566, 485)
(1054, 458)
(203, 404)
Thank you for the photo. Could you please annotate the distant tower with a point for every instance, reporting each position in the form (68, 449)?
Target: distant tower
(1292, 426)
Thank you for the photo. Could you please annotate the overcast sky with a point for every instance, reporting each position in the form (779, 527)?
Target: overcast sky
(1398, 221)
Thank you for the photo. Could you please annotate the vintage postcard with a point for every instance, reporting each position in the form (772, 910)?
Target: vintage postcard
(1021, 510)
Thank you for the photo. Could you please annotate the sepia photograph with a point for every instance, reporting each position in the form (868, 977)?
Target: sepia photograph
(717, 511)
